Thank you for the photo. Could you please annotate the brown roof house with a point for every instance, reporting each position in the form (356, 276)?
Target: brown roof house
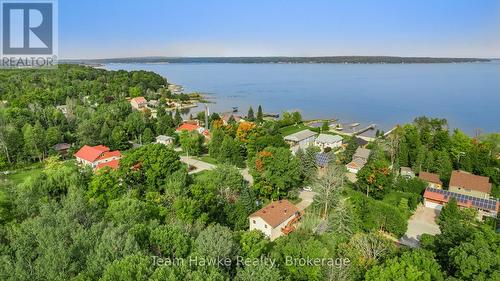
(431, 179)
(275, 219)
(468, 184)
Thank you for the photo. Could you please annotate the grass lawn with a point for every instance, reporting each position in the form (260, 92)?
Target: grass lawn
(207, 159)
(18, 176)
(285, 131)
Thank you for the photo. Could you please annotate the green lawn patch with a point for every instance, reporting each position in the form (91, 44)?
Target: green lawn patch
(207, 159)
(285, 131)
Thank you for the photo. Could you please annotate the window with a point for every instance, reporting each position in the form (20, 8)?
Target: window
(253, 221)
(265, 225)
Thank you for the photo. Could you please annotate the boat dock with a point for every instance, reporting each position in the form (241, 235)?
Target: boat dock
(367, 128)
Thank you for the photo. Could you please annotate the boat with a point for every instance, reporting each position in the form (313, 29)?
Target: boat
(235, 109)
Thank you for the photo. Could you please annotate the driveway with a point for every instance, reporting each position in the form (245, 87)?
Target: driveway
(422, 221)
(307, 199)
(200, 165)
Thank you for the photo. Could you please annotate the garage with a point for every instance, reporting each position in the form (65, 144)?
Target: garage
(433, 205)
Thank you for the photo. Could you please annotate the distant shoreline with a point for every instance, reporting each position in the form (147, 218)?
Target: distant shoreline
(284, 60)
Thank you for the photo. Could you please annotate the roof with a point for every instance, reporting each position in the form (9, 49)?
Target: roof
(302, 135)
(61, 146)
(113, 164)
(326, 138)
(361, 153)
(361, 142)
(139, 100)
(276, 212)
(406, 170)
(91, 153)
(356, 163)
(429, 177)
(470, 181)
(462, 200)
(227, 116)
(187, 127)
(110, 154)
(163, 138)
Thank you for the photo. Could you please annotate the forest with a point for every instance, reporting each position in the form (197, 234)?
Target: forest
(61, 221)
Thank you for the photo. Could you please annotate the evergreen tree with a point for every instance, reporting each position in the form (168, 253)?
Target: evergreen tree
(250, 115)
(147, 136)
(260, 114)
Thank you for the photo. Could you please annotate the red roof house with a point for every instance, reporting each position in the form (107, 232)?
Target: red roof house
(95, 155)
(193, 127)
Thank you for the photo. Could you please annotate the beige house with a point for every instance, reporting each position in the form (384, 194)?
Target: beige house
(406, 172)
(359, 160)
(165, 140)
(468, 184)
(431, 179)
(275, 219)
(138, 103)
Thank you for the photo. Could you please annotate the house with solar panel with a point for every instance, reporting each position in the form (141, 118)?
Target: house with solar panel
(437, 198)
(468, 184)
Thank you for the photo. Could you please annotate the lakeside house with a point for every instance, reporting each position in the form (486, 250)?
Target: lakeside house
(275, 219)
(469, 184)
(406, 172)
(324, 141)
(431, 179)
(226, 117)
(359, 160)
(302, 139)
(436, 198)
(138, 103)
(165, 140)
(98, 156)
(193, 126)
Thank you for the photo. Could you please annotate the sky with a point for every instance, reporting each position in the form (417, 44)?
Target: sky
(188, 28)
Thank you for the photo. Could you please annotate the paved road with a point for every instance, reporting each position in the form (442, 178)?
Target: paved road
(307, 199)
(422, 221)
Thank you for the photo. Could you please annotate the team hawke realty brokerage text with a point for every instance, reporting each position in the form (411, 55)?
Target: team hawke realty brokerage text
(242, 261)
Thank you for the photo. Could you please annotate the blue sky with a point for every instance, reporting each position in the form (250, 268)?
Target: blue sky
(124, 28)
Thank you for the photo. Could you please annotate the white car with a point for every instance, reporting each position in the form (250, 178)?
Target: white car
(307, 188)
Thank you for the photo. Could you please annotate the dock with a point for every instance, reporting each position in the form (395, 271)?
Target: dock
(367, 128)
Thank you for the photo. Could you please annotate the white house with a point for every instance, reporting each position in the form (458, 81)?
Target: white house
(98, 156)
(275, 219)
(326, 140)
(302, 139)
(166, 140)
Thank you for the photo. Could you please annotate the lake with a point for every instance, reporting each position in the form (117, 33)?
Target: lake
(467, 94)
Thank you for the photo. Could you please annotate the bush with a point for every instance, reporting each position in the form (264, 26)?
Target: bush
(394, 198)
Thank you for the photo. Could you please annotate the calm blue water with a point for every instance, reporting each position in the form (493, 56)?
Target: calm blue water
(468, 95)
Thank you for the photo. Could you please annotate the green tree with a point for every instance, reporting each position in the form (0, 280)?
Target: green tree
(254, 244)
(260, 272)
(170, 241)
(216, 242)
(375, 178)
(147, 136)
(250, 115)
(191, 142)
(119, 138)
(131, 268)
(412, 265)
(275, 172)
(260, 115)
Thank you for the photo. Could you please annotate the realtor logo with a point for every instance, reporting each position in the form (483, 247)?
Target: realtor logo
(28, 33)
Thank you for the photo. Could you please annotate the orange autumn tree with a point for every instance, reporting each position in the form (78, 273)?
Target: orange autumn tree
(244, 130)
